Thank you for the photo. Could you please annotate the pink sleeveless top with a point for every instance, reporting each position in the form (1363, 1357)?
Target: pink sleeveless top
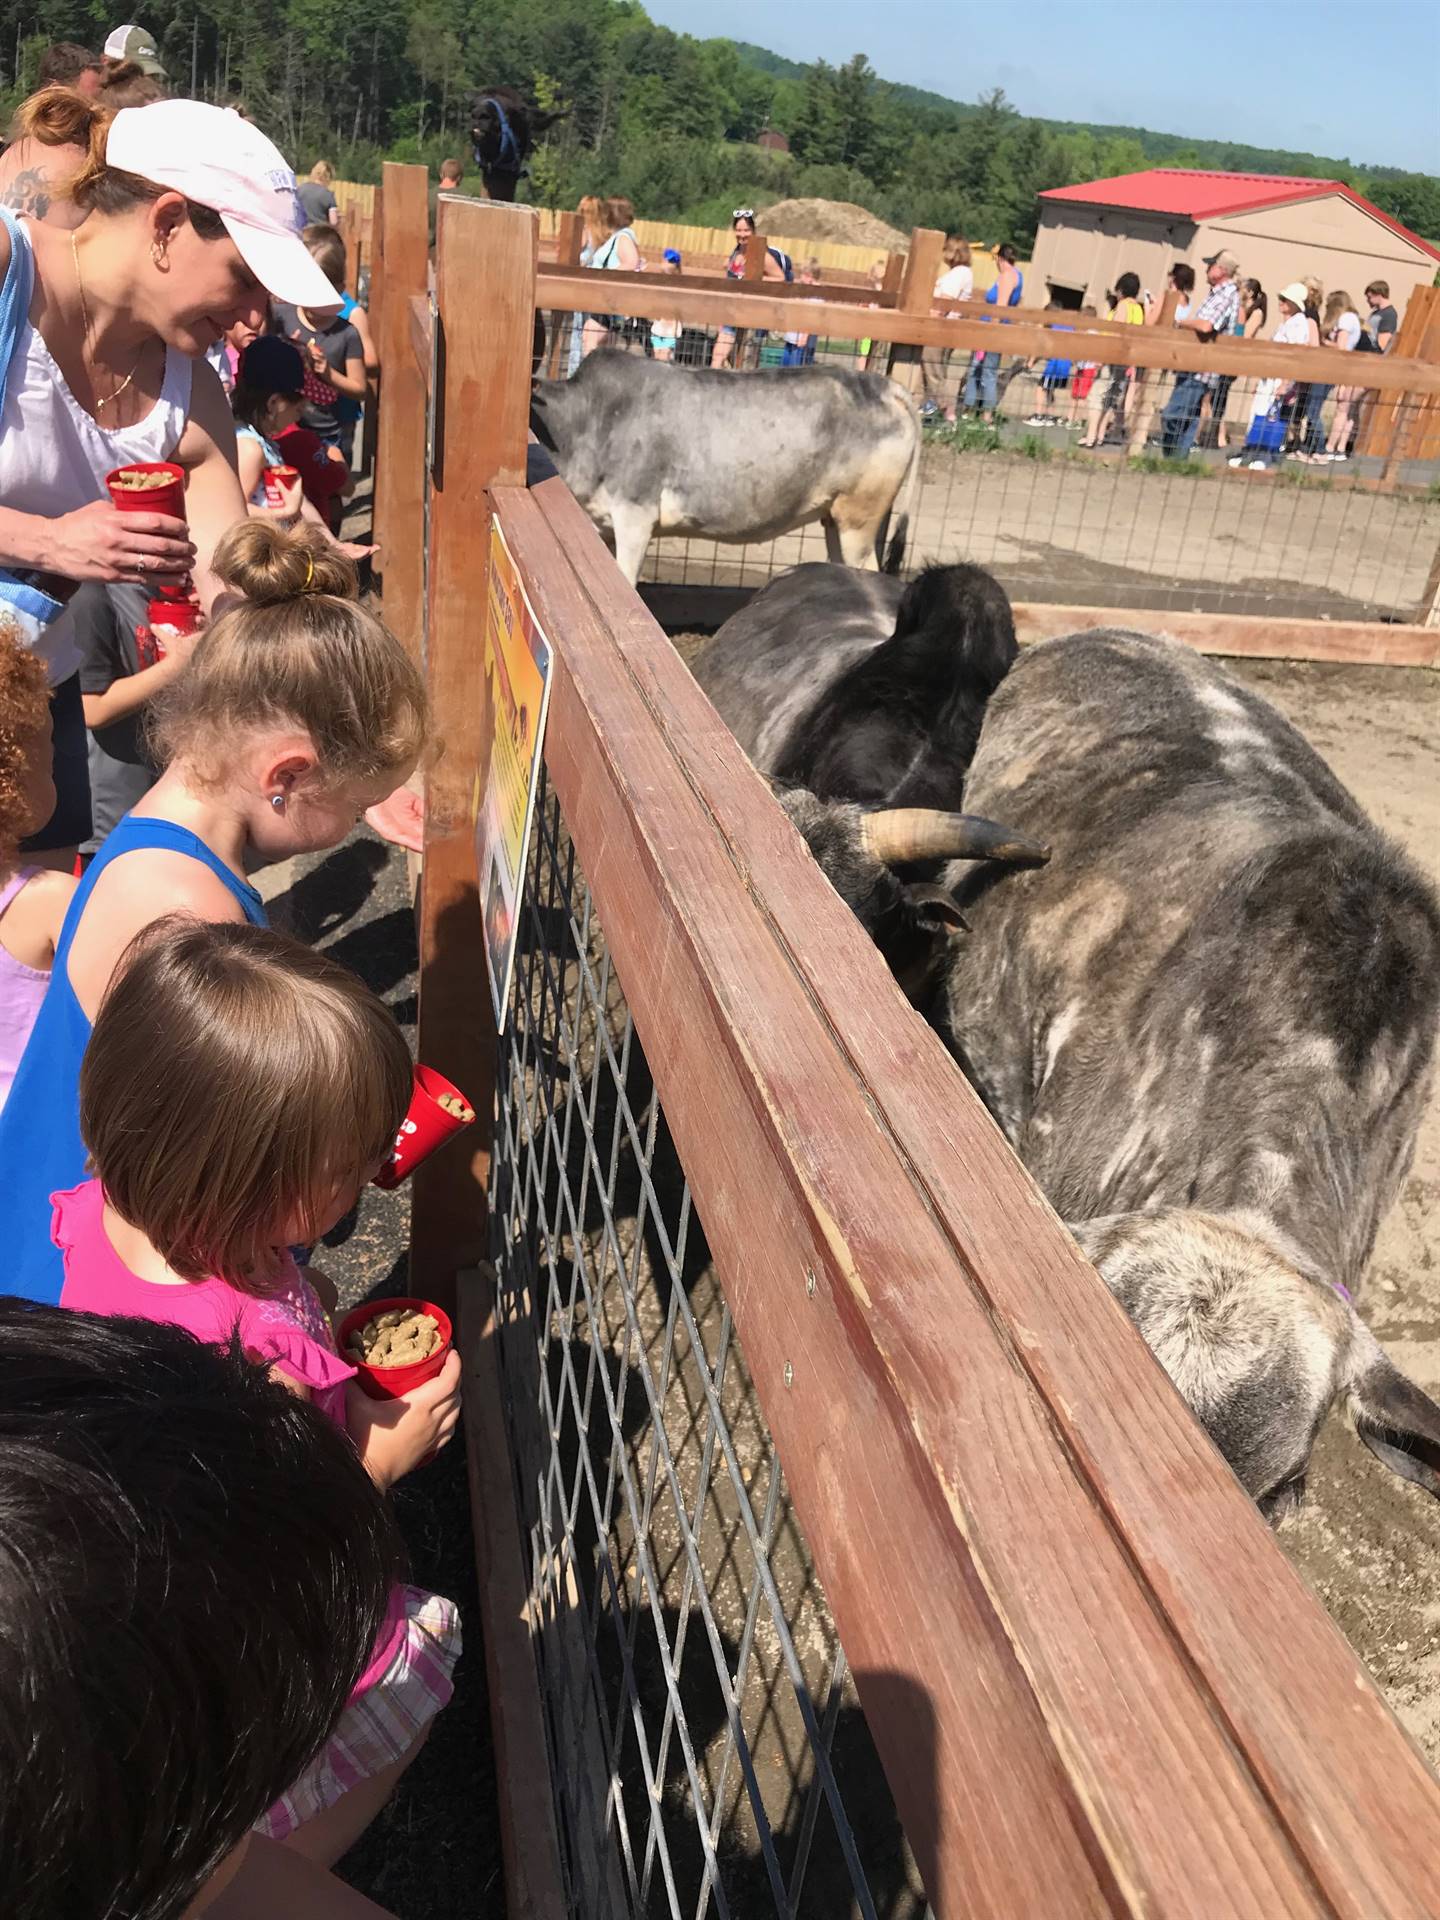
(22, 989)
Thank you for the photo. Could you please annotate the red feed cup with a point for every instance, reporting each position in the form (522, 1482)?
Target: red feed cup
(278, 481)
(169, 499)
(425, 1127)
(388, 1383)
(169, 619)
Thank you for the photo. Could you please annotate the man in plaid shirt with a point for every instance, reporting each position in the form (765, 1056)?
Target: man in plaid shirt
(1215, 316)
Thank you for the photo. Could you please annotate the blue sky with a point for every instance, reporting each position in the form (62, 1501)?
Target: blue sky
(1357, 79)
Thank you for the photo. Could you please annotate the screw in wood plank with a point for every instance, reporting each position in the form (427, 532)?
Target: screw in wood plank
(789, 1374)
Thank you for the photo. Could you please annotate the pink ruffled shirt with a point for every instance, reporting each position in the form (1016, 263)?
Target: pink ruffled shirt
(288, 1328)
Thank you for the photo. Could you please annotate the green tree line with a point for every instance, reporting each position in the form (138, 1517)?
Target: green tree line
(665, 118)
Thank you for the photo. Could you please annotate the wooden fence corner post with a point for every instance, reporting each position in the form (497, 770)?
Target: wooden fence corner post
(922, 269)
(400, 435)
(485, 300)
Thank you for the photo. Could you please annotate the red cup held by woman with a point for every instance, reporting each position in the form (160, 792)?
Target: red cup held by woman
(278, 482)
(389, 1383)
(437, 1111)
(148, 486)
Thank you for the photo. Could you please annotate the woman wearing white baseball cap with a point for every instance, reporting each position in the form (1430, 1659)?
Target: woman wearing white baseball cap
(191, 218)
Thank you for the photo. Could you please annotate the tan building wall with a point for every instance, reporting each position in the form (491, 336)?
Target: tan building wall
(1084, 249)
(1338, 242)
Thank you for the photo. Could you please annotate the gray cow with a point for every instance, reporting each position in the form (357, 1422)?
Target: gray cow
(646, 446)
(1207, 1026)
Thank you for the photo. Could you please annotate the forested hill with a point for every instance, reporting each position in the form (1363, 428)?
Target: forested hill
(667, 119)
(1159, 149)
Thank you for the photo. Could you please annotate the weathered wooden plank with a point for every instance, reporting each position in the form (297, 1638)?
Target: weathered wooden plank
(1270, 1670)
(400, 431)
(484, 401)
(1376, 643)
(421, 341)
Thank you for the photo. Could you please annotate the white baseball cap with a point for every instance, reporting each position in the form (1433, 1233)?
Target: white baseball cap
(220, 161)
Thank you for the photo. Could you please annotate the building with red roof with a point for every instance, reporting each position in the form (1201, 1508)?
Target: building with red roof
(1277, 226)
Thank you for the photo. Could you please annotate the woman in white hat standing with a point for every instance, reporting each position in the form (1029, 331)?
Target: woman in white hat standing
(1293, 330)
(191, 218)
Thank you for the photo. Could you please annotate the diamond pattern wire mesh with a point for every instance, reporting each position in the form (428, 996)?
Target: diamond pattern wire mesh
(1054, 523)
(709, 1755)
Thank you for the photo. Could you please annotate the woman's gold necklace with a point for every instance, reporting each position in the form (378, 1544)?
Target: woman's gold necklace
(112, 397)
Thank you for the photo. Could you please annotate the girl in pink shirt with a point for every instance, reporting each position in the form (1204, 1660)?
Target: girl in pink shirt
(237, 1093)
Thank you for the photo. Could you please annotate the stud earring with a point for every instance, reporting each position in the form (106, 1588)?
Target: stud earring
(277, 800)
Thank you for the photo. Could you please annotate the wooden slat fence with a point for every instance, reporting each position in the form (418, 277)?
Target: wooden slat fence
(1096, 1685)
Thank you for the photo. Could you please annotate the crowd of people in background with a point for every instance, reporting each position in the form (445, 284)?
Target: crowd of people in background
(188, 1101)
(1285, 418)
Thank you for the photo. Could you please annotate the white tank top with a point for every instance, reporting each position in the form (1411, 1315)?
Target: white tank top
(54, 457)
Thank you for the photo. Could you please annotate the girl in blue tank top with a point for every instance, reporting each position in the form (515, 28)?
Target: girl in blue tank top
(297, 712)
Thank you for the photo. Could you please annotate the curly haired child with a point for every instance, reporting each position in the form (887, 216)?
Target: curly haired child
(33, 900)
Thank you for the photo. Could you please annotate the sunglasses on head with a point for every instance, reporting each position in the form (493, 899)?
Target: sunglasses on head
(744, 213)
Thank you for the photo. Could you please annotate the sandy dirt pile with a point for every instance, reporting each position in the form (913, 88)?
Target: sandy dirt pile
(834, 220)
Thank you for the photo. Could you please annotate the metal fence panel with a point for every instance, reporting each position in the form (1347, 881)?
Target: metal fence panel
(709, 1753)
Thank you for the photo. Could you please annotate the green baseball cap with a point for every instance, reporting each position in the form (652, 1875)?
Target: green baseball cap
(134, 43)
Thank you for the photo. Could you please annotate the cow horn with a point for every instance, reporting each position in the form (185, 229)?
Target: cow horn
(898, 834)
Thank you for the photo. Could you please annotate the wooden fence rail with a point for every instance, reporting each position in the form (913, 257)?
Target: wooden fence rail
(801, 309)
(1136, 1708)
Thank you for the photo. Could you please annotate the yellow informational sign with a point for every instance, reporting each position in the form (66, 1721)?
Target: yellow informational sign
(517, 671)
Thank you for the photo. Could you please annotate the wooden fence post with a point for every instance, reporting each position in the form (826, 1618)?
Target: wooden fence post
(571, 239)
(923, 265)
(400, 445)
(485, 297)
(371, 262)
(350, 234)
(894, 274)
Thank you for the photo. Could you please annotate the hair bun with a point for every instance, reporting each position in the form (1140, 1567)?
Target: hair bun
(269, 563)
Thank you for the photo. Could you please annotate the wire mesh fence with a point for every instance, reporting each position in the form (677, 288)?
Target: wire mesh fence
(1108, 486)
(708, 1749)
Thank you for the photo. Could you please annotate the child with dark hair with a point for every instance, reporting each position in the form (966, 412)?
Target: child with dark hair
(193, 1569)
(267, 402)
(33, 900)
(203, 1182)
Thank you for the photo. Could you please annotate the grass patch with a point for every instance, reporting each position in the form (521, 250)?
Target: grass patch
(1288, 476)
(967, 436)
(1157, 463)
(1032, 447)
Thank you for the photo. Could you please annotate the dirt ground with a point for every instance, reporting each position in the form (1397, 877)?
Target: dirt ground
(1368, 1542)
(1062, 527)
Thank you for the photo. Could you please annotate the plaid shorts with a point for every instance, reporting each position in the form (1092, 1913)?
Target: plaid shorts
(382, 1724)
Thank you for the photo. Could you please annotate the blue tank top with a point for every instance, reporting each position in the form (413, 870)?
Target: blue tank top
(40, 1147)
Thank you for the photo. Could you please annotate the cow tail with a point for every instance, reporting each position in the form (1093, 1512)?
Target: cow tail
(909, 492)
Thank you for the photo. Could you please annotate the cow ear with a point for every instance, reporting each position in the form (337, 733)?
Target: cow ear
(1398, 1421)
(935, 910)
